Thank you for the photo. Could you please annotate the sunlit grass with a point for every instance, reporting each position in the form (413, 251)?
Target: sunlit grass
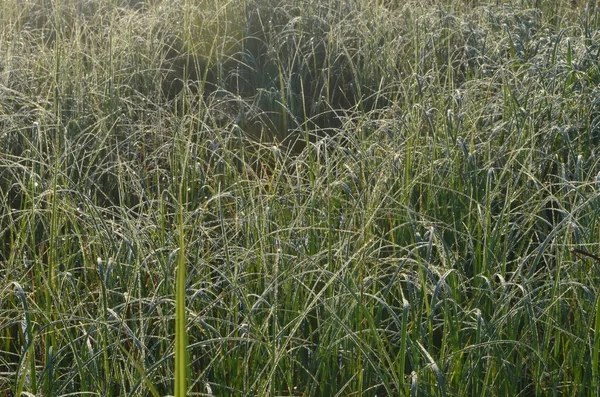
(299, 198)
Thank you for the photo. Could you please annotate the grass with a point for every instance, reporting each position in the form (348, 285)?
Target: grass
(299, 198)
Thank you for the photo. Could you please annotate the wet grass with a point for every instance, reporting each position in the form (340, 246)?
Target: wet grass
(299, 198)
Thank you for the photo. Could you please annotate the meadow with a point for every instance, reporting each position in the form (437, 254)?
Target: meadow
(300, 198)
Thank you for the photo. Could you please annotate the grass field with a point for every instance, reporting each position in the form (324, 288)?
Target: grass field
(300, 197)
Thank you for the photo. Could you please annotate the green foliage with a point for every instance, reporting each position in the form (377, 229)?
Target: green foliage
(302, 197)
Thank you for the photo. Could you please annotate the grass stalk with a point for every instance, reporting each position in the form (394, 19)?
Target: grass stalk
(182, 371)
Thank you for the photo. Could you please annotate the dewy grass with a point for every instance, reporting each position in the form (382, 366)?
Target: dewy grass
(299, 198)
(181, 337)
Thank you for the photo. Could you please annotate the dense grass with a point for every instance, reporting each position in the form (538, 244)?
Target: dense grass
(363, 197)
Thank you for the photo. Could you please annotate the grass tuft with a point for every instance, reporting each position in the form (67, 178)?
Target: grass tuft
(269, 197)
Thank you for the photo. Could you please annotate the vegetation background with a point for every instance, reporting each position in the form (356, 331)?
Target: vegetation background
(367, 197)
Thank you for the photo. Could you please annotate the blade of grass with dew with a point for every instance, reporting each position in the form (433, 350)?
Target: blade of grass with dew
(181, 337)
(595, 353)
(28, 354)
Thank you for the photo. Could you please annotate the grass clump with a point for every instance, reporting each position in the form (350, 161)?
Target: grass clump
(299, 198)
